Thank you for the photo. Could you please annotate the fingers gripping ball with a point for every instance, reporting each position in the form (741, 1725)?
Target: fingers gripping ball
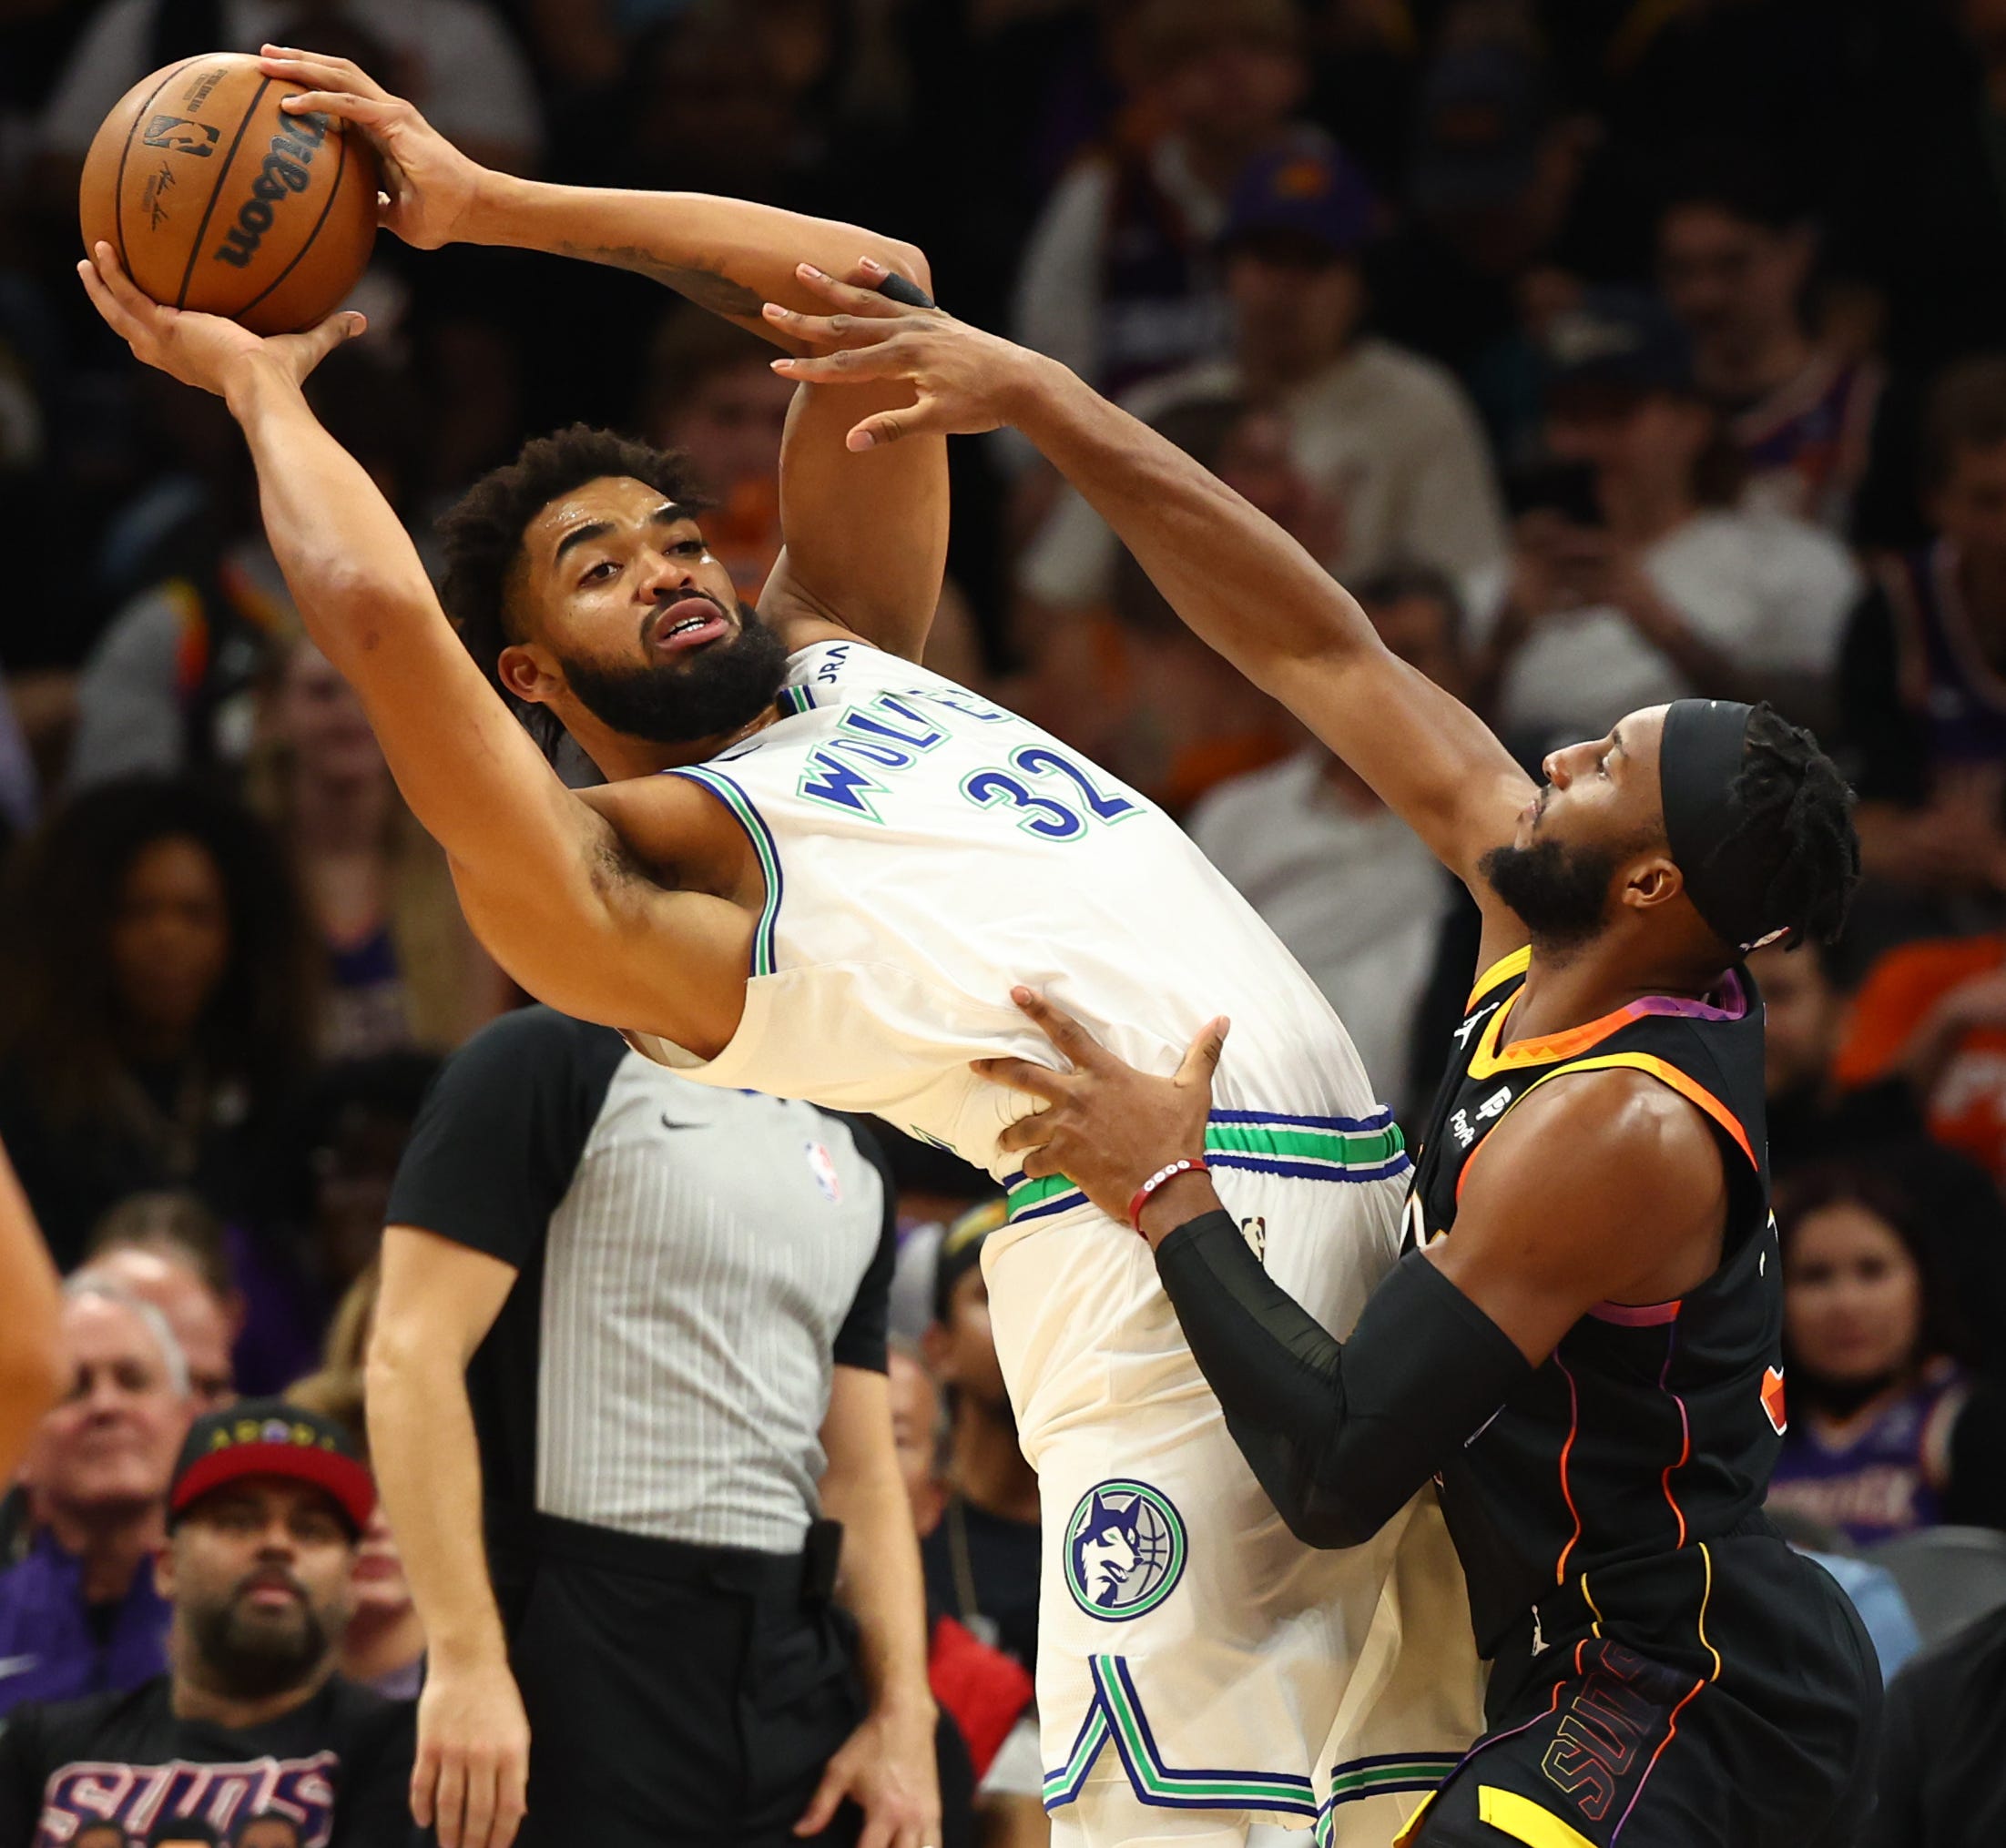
(216, 199)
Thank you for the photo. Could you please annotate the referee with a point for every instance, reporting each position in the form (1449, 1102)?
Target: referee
(639, 1326)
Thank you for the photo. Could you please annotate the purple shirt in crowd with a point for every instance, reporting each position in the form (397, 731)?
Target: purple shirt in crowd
(54, 1647)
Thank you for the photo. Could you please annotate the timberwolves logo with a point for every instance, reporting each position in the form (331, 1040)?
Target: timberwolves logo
(1124, 1550)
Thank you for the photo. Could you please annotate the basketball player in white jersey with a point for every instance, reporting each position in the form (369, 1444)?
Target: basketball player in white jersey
(816, 869)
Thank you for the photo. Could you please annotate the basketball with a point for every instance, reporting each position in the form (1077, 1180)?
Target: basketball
(216, 199)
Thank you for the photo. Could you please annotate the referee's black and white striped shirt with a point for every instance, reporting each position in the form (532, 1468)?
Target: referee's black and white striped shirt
(693, 1264)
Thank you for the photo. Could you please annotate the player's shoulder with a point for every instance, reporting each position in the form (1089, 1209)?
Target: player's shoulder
(1622, 1125)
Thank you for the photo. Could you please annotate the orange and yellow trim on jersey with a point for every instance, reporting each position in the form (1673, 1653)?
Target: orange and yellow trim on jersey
(1690, 1089)
(1498, 974)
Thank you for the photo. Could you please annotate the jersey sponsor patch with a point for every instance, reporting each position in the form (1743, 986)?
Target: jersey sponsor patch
(1124, 1550)
(822, 1166)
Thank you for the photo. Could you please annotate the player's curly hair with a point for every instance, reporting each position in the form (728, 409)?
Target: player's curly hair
(483, 537)
(1796, 832)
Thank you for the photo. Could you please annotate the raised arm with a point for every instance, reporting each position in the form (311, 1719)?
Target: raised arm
(866, 535)
(547, 882)
(1234, 576)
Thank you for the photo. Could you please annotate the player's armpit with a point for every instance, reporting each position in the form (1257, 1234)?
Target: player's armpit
(1597, 1186)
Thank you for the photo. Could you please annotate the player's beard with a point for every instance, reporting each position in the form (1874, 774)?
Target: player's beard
(723, 686)
(1559, 893)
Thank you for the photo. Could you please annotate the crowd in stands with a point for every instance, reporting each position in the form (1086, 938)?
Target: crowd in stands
(1610, 352)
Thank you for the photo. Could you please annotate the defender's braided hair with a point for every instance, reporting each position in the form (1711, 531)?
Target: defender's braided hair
(1795, 833)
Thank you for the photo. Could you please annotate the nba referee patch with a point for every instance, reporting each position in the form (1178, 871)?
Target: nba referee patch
(822, 1166)
(1124, 1550)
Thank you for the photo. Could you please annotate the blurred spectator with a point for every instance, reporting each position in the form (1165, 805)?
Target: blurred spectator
(981, 1561)
(180, 1228)
(155, 993)
(1634, 578)
(1875, 1445)
(1924, 710)
(1932, 1015)
(986, 1694)
(79, 1614)
(200, 1320)
(1345, 884)
(1495, 176)
(1735, 258)
(1924, 217)
(1387, 436)
(267, 1503)
(172, 684)
(1117, 280)
(452, 58)
(1943, 1737)
(711, 393)
(1815, 1119)
(383, 1645)
(402, 969)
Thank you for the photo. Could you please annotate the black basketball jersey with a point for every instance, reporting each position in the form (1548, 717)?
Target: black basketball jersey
(1586, 1507)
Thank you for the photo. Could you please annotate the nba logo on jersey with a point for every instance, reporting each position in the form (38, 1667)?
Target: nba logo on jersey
(822, 1166)
(1124, 1550)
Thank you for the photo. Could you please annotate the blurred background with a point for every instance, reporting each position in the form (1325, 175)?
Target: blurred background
(1610, 350)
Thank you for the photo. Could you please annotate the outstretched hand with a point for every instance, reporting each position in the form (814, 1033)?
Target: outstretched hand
(1106, 1126)
(965, 381)
(430, 184)
(203, 350)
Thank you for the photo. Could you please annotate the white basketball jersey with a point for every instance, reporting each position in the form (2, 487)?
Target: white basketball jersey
(923, 851)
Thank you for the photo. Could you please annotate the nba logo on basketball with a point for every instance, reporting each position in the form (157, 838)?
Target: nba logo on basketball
(178, 135)
(822, 1166)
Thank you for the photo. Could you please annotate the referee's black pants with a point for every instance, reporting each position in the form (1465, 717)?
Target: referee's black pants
(676, 1694)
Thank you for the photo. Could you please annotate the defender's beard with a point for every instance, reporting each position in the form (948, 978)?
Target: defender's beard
(1559, 893)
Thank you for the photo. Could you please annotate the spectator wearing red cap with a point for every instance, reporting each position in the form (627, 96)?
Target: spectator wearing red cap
(265, 1507)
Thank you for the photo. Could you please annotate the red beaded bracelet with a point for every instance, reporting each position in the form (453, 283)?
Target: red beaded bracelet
(1190, 1165)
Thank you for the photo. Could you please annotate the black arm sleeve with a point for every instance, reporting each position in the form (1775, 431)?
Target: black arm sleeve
(500, 1133)
(861, 1340)
(1339, 1435)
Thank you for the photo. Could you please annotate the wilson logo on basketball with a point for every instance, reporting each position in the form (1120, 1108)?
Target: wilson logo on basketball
(1772, 1399)
(178, 135)
(282, 171)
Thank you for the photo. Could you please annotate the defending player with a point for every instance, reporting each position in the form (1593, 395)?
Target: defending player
(1583, 1343)
(828, 897)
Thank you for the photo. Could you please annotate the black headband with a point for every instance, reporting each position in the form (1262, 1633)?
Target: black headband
(1699, 761)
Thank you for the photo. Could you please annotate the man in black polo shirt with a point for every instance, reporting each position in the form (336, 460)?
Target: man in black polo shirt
(639, 1326)
(251, 1725)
